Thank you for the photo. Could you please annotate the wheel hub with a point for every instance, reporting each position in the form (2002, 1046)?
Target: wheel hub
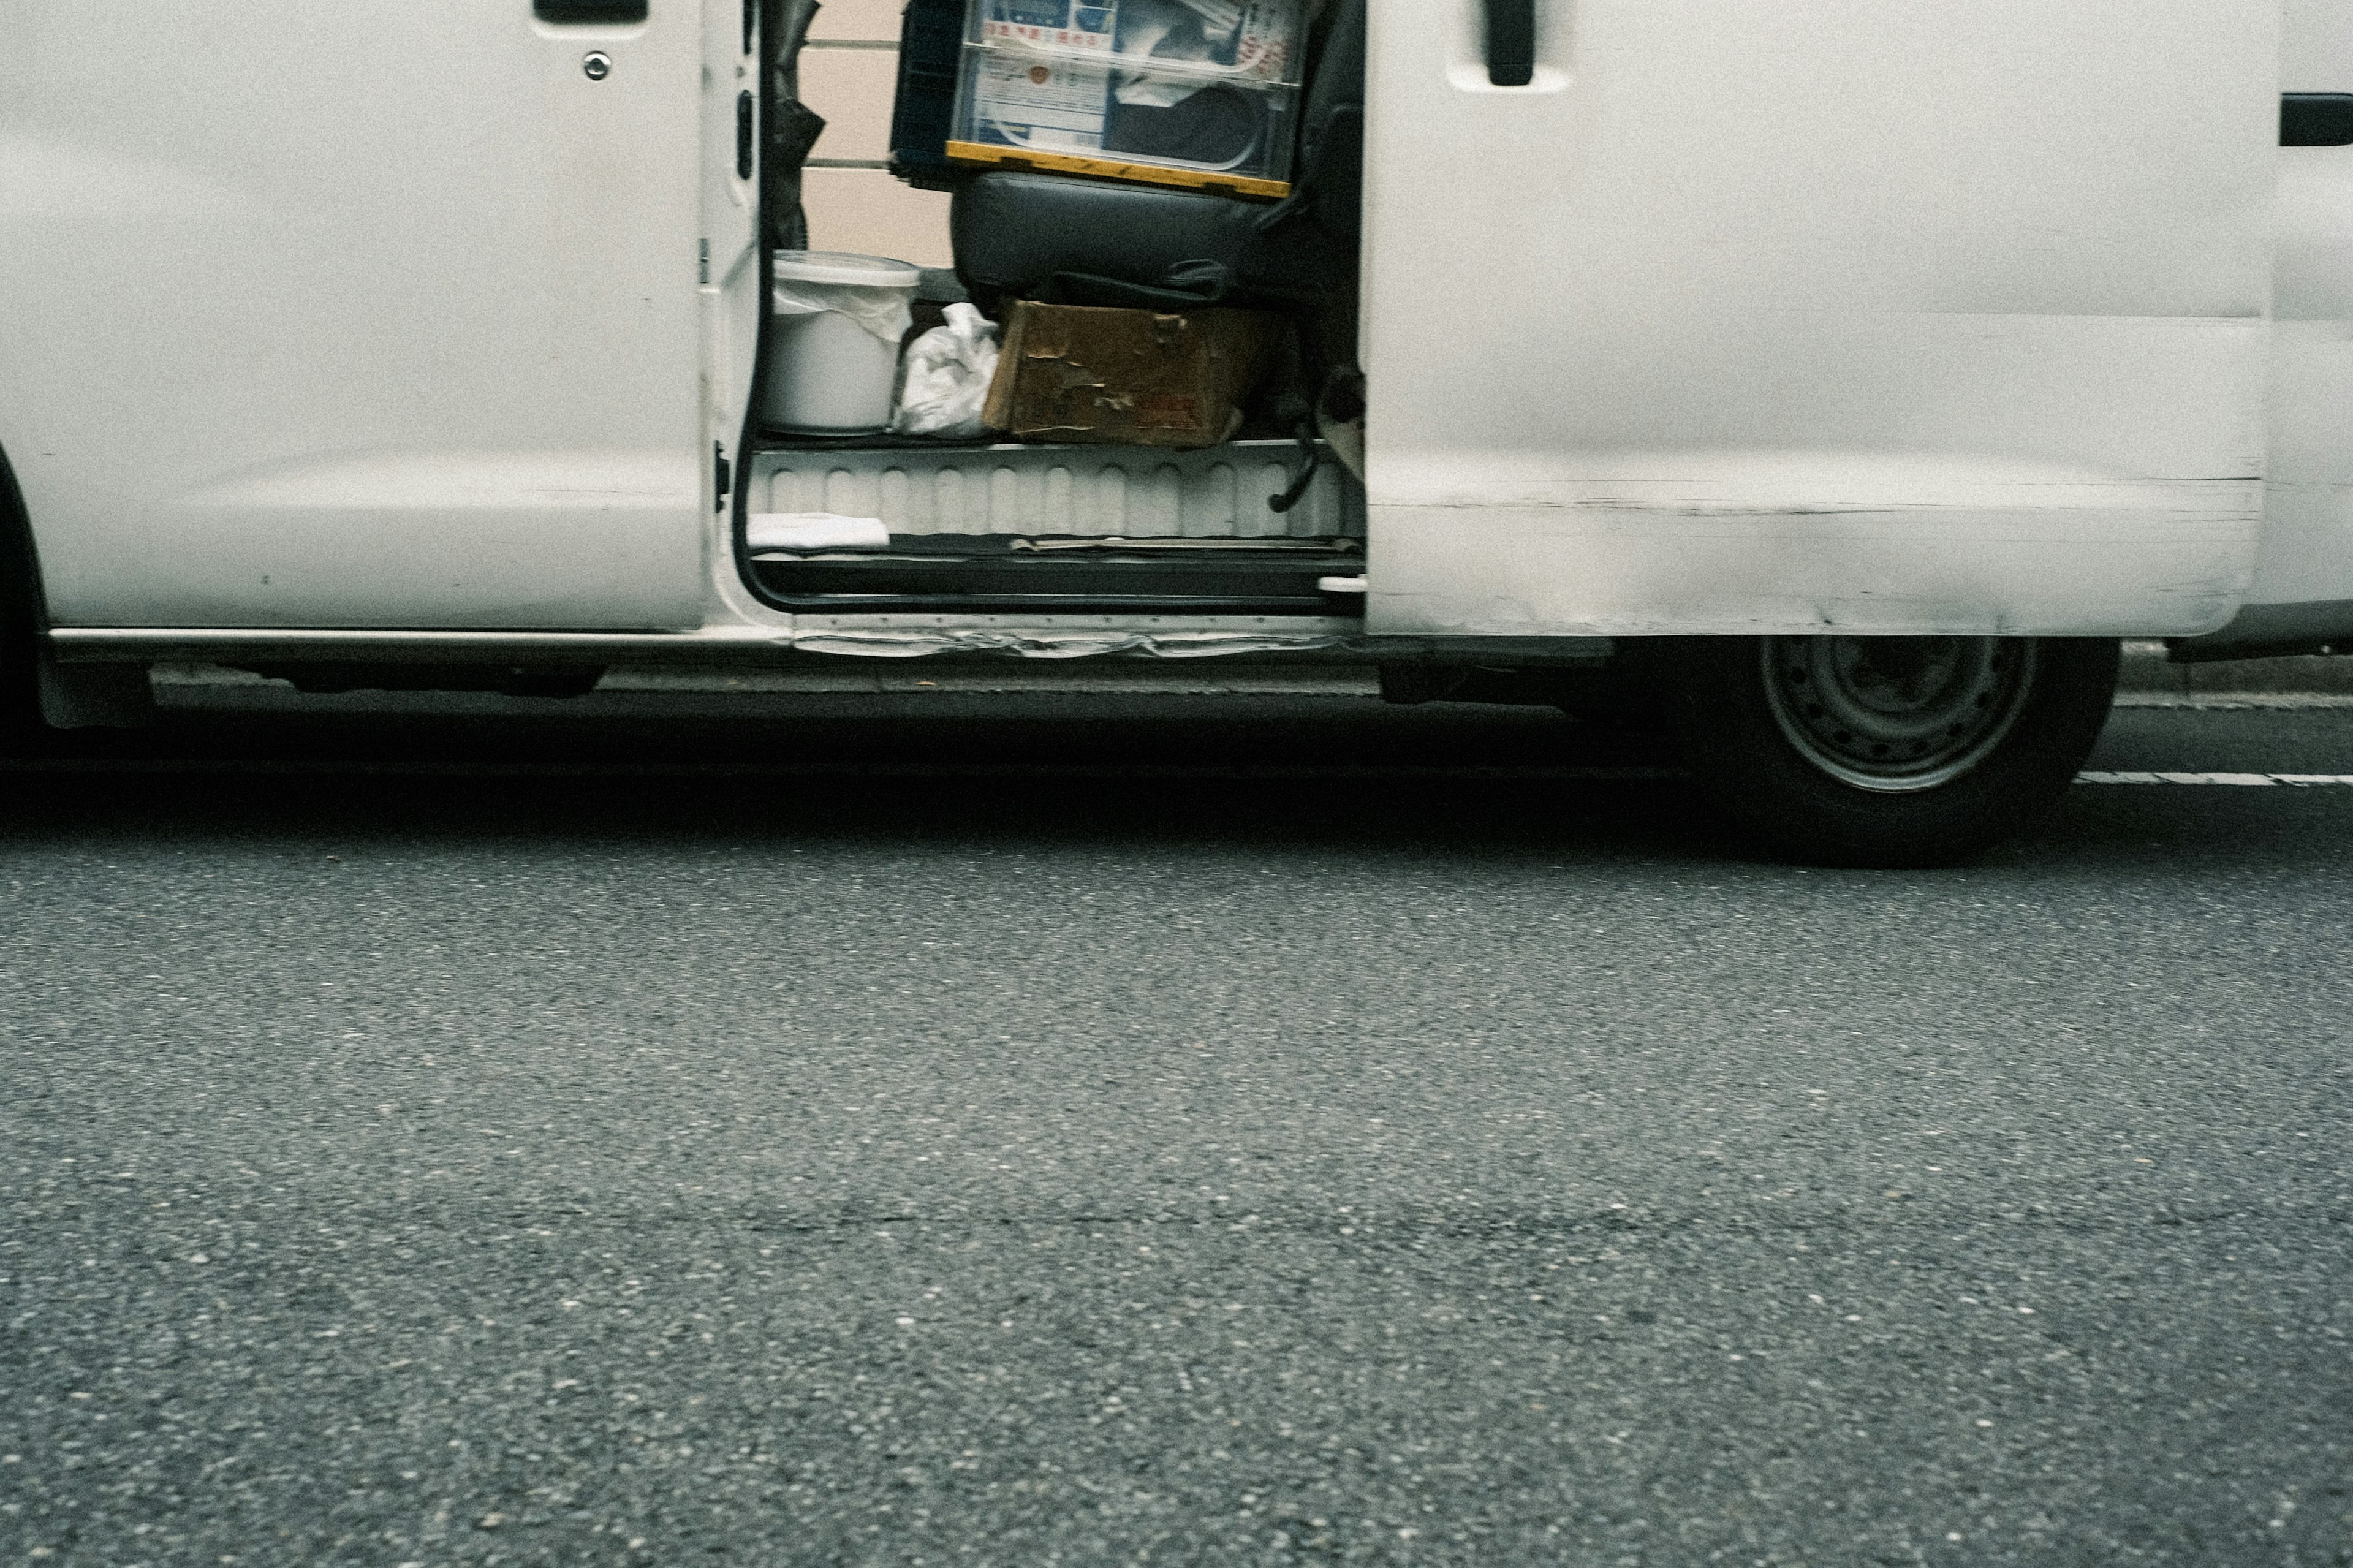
(1897, 714)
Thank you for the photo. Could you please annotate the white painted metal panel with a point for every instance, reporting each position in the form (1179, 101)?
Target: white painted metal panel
(336, 315)
(1867, 315)
(736, 295)
(2307, 554)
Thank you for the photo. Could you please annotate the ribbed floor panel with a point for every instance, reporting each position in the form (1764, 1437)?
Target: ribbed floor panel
(1087, 491)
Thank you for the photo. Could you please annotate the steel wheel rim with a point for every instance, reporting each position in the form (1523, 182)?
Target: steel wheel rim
(1897, 715)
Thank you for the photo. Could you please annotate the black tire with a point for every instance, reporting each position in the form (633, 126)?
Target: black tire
(22, 731)
(21, 728)
(20, 690)
(1887, 751)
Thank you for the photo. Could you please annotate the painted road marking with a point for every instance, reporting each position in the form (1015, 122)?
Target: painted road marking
(2257, 781)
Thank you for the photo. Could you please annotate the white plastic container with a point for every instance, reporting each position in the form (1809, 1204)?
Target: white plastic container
(833, 358)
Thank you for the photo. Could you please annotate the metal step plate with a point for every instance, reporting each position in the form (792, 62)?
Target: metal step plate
(1000, 575)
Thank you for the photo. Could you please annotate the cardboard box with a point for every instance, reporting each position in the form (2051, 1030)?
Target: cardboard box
(1132, 378)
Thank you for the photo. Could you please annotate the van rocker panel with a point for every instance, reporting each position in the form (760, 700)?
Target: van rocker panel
(2174, 564)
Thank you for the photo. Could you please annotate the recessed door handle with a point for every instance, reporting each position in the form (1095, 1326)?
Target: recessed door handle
(589, 13)
(1511, 42)
(2316, 120)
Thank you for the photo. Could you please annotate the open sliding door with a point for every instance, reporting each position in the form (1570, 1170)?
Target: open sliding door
(1877, 316)
(2302, 592)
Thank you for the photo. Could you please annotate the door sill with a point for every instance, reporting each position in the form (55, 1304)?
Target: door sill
(1008, 574)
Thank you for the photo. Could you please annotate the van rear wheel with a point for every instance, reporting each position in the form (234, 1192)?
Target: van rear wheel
(1888, 752)
(20, 701)
(21, 730)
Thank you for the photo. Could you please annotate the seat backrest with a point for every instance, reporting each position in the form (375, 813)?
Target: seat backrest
(1330, 178)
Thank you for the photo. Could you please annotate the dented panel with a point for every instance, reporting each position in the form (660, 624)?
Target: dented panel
(1815, 316)
(2304, 581)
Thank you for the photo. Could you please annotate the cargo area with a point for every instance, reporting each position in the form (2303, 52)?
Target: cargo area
(1136, 390)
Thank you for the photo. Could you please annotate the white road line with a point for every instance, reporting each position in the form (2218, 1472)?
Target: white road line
(2238, 701)
(2257, 781)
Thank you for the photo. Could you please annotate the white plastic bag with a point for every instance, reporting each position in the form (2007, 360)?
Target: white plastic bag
(945, 385)
(885, 312)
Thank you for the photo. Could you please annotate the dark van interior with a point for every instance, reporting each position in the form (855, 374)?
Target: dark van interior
(1052, 237)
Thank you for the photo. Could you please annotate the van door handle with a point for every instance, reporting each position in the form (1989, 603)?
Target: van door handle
(1511, 42)
(589, 13)
(2316, 120)
(746, 125)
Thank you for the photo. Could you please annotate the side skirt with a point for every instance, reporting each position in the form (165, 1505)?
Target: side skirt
(1322, 641)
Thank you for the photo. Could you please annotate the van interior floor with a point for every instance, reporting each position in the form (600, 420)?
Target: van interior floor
(1012, 574)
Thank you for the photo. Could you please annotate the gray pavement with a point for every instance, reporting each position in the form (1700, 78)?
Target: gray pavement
(948, 1128)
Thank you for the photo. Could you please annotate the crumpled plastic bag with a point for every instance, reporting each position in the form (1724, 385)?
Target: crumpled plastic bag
(1213, 33)
(888, 313)
(945, 385)
(1159, 29)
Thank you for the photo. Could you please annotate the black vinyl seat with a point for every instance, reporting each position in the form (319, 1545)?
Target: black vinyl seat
(1019, 234)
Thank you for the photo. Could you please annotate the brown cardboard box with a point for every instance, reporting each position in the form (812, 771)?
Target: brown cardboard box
(1128, 377)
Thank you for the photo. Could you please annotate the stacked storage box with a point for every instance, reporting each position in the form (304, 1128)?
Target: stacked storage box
(930, 63)
(1198, 93)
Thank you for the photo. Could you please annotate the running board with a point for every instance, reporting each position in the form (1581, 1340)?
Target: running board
(815, 638)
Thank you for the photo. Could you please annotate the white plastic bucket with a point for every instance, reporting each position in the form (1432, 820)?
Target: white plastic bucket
(833, 356)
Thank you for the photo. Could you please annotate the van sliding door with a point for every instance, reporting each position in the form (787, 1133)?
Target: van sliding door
(1708, 316)
(2303, 594)
(370, 316)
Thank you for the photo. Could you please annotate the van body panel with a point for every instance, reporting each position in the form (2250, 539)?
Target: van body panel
(735, 290)
(1900, 318)
(2302, 590)
(337, 316)
(1818, 316)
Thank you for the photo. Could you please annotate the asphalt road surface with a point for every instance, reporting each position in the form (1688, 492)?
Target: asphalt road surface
(1022, 1130)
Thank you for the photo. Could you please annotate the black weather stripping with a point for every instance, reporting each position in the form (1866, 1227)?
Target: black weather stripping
(589, 13)
(2316, 120)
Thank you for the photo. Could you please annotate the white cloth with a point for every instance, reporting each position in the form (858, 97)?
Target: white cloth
(817, 531)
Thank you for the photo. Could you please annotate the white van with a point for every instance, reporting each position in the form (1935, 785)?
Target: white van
(1849, 375)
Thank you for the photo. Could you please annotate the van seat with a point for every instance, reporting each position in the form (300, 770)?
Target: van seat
(1015, 232)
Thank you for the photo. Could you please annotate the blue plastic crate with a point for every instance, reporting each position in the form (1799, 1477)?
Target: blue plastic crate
(930, 63)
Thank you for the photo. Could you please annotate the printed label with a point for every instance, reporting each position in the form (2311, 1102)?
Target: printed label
(1032, 103)
(1056, 24)
(1056, 37)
